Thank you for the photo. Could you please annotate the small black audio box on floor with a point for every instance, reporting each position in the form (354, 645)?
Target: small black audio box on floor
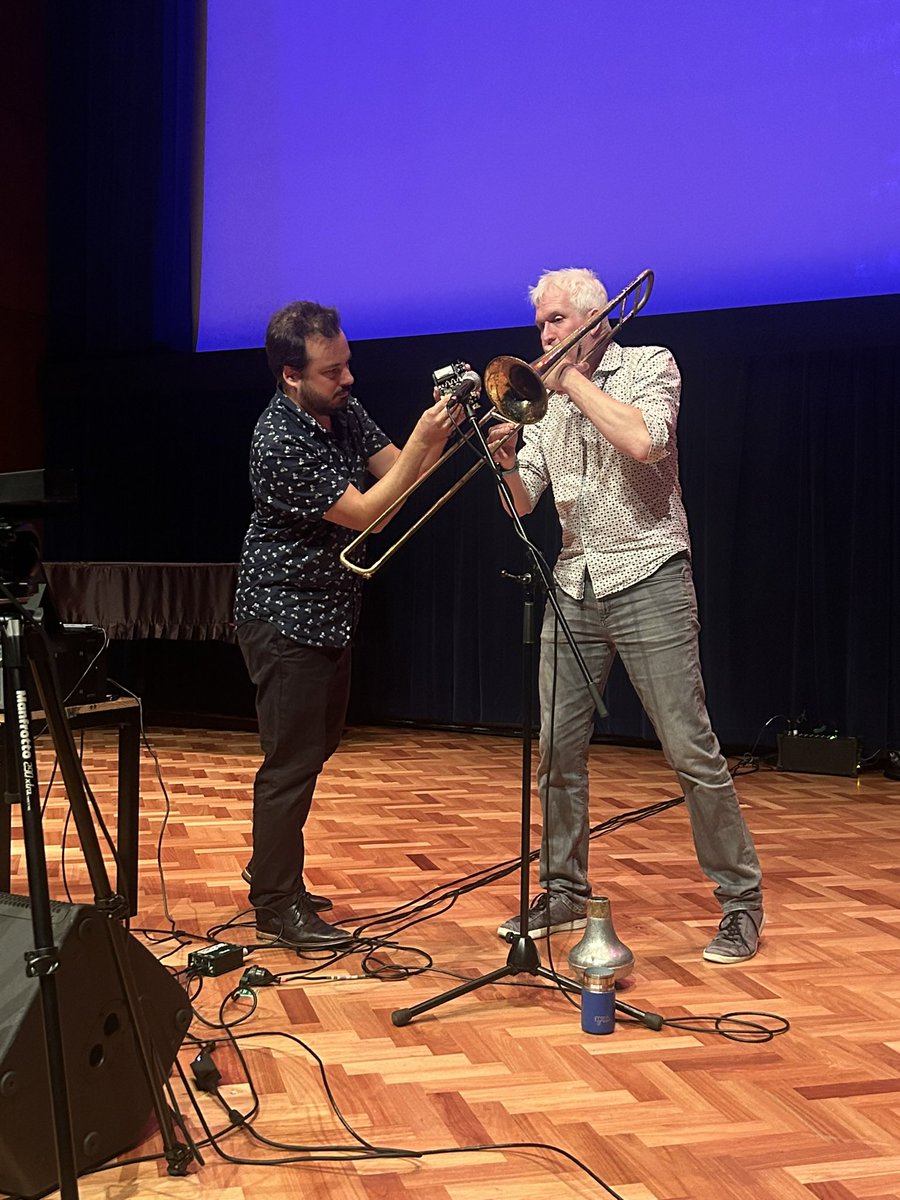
(818, 755)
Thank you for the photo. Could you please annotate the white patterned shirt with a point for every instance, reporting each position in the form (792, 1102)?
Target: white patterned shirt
(621, 519)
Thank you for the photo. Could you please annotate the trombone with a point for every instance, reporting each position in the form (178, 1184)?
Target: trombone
(518, 395)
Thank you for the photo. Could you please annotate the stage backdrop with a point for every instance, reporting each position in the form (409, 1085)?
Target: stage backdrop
(420, 164)
(789, 431)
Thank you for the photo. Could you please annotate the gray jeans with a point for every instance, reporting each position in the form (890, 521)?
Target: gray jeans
(653, 626)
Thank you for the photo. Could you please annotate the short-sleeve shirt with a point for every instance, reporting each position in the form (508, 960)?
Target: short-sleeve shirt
(290, 573)
(621, 519)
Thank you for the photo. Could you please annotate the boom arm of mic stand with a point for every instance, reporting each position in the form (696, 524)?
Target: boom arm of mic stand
(544, 574)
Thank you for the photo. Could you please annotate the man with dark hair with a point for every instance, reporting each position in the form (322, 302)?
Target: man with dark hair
(296, 606)
(607, 449)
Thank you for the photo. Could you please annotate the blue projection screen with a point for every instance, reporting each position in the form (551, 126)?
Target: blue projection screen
(419, 164)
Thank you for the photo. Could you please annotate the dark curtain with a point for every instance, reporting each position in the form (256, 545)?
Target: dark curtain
(789, 463)
(121, 82)
(788, 444)
(23, 299)
(788, 437)
(809, 577)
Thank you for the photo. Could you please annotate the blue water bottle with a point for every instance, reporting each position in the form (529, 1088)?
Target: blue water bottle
(598, 1000)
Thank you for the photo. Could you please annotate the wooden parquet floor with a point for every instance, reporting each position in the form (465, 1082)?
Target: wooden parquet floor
(812, 1114)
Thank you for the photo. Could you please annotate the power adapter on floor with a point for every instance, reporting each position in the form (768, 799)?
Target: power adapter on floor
(206, 1073)
(257, 976)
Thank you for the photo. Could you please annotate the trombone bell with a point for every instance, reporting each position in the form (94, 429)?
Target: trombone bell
(515, 390)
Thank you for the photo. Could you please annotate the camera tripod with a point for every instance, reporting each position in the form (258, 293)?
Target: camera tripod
(25, 651)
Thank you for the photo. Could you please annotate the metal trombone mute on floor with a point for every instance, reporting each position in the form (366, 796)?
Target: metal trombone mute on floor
(517, 394)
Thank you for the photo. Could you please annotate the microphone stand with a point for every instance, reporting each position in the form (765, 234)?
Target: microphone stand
(523, 957)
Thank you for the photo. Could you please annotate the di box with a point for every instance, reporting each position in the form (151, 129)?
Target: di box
(818, 755)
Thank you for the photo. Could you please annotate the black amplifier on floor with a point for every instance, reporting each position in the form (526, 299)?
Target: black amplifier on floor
(818, 755)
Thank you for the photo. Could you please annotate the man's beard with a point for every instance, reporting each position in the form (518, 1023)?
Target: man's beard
(319, 405)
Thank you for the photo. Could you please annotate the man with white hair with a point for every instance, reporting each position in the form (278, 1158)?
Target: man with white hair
(607, 449)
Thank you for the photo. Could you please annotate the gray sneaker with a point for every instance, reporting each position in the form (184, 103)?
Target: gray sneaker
(549, 913)
(738, 937)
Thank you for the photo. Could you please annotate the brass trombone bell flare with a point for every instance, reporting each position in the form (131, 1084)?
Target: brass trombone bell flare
(515, 390)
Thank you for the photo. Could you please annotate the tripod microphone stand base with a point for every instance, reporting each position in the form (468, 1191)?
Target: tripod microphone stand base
(523, 958)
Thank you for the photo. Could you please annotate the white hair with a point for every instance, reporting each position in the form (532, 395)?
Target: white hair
(582, 287)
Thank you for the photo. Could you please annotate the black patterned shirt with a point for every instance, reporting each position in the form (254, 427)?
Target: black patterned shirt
(621, 519)
(290, 573)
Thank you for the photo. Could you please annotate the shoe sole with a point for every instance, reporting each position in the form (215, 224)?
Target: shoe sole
(504, 931)
(725, 959)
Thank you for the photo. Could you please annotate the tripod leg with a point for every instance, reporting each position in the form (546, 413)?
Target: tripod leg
(523, 958)
(403, 1016)
(44, 959)
(113, 907)
(651, 1019)
(40, 659)
(523, 955)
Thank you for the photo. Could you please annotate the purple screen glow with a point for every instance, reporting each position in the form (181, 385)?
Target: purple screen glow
(419, 165)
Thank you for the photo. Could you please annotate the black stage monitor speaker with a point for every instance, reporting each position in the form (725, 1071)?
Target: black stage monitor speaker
(109, 1096)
